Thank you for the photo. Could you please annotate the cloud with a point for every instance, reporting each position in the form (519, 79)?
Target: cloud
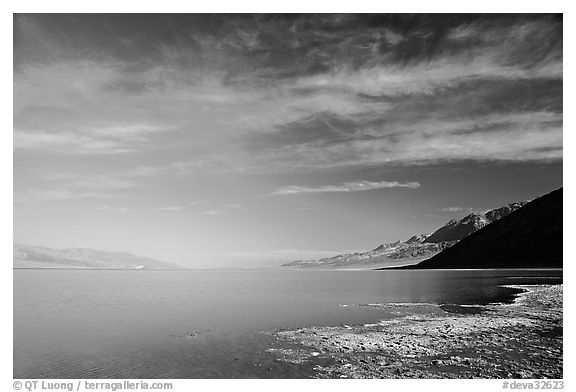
(455, 209)
(357, 186)
(183, 206)
(213, 212)
(66, 186)
(65, 143)
(423, 78)
(113, 209)
(468, 52)
(34, 195)
(269, 93)
(126, 132)
(113, 139)
(178, 168)
(172, 208)
(231, 205)
(519, 137)
(287, 108)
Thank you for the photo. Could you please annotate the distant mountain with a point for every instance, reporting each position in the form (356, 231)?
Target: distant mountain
(530, 237)
(393, 254)
(30, 256)
(416, 248)
(455, 230)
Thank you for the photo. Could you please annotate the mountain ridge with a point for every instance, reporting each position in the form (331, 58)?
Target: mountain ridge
(35, 256)
(419, 246)
(455, 230)
(530, 237)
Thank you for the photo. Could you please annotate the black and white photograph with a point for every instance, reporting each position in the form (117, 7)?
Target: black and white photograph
(287, 196)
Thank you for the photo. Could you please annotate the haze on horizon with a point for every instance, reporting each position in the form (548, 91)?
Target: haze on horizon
(236, 140)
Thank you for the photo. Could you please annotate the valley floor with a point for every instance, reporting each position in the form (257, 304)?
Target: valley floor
(518, 340)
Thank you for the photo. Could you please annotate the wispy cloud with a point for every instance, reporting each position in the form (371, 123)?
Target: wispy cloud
(283, 94)
(357, 186)
(127, 132)
(341, 97)
(74, 187)
(424, 78)
(231, 205)
(184, 206)
(90, 140)
(213, 212)
(113, 209)
(456, 209)
(518, 137)
(35, 195)
(64, 143)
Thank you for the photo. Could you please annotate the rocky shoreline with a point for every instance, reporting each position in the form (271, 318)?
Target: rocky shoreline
(518, 340)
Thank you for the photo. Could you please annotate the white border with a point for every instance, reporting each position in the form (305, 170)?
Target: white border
(308, 6)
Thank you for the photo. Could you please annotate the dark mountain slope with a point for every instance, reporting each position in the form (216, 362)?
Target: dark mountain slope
(530, 237)
(455, 230)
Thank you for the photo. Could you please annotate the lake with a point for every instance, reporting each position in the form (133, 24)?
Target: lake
(212, 324)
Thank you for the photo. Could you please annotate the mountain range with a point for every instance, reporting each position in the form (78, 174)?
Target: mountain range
(416, 248)
(30, 256)
(530, 237)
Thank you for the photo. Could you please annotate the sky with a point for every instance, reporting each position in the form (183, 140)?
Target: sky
(249, 140)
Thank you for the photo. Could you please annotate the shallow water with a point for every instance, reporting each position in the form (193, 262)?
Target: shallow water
(209, 324)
